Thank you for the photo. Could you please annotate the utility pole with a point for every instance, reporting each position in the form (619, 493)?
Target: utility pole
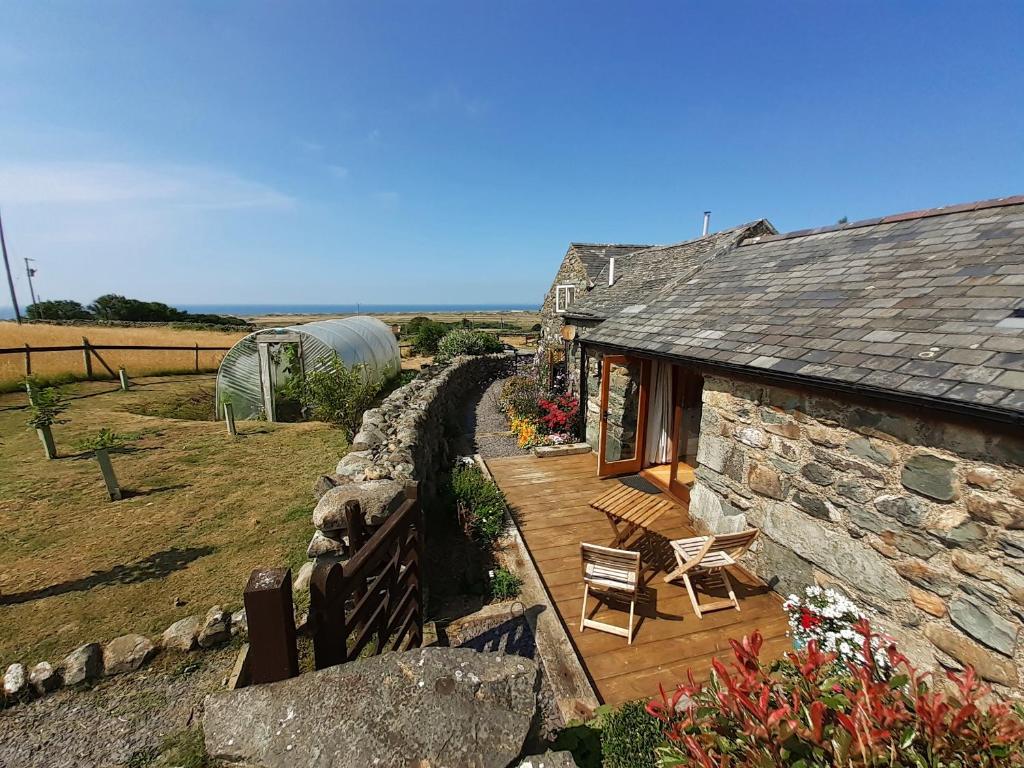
(31, 272)
(10, 280)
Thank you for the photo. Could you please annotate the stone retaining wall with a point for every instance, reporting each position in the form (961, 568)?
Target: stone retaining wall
(412, 436)
(916, 518)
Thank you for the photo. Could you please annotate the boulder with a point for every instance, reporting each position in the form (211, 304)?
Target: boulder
(181, 635)
(429, 706)
(239, 623)
(126, 654)
(368, 438)
(44, 678)
(324, 544)
(15, 681)
(324, 483)
(83, 664)
(377, 500)
(216, 628)
(301, 583)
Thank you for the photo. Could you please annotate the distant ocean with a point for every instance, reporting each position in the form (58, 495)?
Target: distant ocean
(248, 310)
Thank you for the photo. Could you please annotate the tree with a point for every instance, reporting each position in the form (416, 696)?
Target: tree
(110, 306)
(59, 309)
(428, 336)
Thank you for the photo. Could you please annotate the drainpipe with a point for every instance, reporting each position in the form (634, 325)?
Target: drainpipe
(707, 223)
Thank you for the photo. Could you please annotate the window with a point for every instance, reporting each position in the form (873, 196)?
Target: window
(564, 296)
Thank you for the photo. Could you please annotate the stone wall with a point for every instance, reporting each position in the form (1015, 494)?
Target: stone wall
(917, 518)
(571, 272)
(414, 435)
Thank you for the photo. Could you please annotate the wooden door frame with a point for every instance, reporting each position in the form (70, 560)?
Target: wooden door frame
(679, 376)
(624, 466)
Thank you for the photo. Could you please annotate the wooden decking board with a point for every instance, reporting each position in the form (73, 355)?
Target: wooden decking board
(550, 502)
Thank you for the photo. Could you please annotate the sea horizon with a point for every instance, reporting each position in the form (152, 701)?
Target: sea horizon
(249, 310)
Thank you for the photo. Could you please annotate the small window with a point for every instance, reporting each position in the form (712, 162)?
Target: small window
(564, 296)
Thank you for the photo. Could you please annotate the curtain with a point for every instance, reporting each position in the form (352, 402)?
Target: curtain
(659, 415)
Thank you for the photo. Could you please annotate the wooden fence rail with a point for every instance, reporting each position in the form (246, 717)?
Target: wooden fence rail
(373, 602)
(90, 351)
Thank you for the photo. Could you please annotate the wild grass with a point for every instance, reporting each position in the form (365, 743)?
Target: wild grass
(61, 367)
(201, 511)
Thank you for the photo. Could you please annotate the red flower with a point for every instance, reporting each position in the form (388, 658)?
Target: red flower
(809, 620)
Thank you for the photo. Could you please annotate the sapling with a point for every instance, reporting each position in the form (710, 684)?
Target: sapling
(45, 407)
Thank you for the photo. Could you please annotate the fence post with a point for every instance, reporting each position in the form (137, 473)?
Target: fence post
(229, 418)
(355, 528)
(87, 358)
(197, 357)
(28, 360)
(412, 491)
(123, 376)
(327, 615)
(273, 653)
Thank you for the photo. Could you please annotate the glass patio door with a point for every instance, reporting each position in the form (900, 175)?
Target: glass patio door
(688, 392)
(624, 386)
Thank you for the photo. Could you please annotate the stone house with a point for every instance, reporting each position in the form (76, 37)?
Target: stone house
(856, 392)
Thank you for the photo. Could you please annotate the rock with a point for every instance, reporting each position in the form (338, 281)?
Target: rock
(790, 431)
(178, 602)
(353, 464)
(126, 654)
(83, 664)
(766, 481)
(44, 678)
(1017, 489)
(324, 483)
(872, 450)
(983, 624)
(854, 490)
(989, 666)
(925, 576)
(1006, 514)
(928, 602)
(911, 544)
(984, 477)
(181, 635)
(814, 505)
(397, 709)
(907, 509)
(832, 552)
(1012, 545)
(301, 583)
(324, 544)
(216, 628)
(368, 438)
(931, 476)
(821, 436)
(785, 449)
(15, 681)
(752, 436)
(968, 535)
(818, 473)
(239, 623)
(377, 500)
(549, 760)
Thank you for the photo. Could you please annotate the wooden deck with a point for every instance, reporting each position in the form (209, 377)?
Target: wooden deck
(549, 499)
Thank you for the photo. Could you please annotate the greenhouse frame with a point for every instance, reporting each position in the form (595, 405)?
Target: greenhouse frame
(258, 365)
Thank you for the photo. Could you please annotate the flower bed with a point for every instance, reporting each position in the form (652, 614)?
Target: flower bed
(537, 417)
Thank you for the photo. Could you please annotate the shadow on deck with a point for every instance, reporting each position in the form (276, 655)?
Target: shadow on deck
(550, 502)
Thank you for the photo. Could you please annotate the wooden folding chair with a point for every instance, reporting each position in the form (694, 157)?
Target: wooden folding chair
(706, 558)
(614, 572)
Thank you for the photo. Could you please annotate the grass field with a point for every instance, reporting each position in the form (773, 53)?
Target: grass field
(202, 510)
(67, 365)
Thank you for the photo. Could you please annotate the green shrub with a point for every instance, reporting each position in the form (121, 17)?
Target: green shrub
(337, 394)
(504, 584)
(463, 341)
(629, 736)
(426, 336)
(480, 503)
(106, 438)
(519, 397)
(45, 407)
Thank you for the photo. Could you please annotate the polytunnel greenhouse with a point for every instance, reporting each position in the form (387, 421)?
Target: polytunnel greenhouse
(253, 372)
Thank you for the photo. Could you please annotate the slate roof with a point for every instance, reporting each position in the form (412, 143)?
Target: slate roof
(646, 271)
(595, 255)
(918, 305)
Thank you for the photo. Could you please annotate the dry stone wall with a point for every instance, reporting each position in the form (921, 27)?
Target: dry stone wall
(916, 518)
(413, 435)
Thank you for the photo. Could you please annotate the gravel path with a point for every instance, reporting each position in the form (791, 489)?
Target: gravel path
(486, 426)
(128, 720)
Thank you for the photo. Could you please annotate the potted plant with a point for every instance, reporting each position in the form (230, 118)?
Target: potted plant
(45, 407)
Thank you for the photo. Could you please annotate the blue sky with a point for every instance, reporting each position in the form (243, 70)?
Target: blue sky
(429, 152)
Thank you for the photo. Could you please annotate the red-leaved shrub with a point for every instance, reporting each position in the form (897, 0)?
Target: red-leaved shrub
(808, 711)
(558, 414)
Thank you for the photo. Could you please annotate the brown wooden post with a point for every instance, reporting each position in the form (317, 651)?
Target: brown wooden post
(197, 357)
(87, 358)
(28, 360)
(273, 653)
(357, 536)
(327, 616)
(412, 491)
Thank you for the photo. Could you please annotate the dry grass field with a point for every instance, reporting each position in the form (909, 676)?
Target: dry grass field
(201, 510)
(492, 319)
(55, 365)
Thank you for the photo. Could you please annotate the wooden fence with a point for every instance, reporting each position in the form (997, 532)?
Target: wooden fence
(92, 351)
(371, 603)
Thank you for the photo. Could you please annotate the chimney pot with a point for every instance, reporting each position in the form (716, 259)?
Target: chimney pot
(611, 271)
(707, 223)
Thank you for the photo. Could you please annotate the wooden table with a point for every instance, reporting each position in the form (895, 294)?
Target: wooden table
(631, 508)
